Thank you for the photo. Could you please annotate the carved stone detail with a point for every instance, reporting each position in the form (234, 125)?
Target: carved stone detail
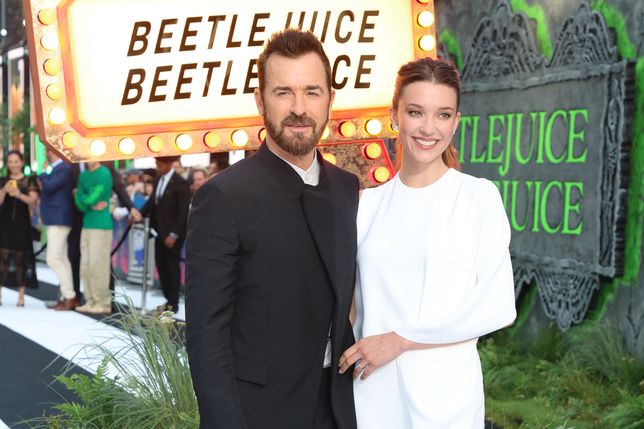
(503, 45)
(584, 39)
(565, 293)
(503, 55)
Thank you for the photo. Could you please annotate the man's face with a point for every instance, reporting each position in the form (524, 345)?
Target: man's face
(51, 156)
(198, 179)
(295, 102)
(163, 167)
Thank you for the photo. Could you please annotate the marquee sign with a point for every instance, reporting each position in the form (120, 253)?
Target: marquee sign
(554, 136)
(119, 79)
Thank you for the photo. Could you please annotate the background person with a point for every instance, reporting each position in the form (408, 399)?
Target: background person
(167, 208)
(447, 280)
(92, 198)
(74, 238)
(57, 212)
(18, 195)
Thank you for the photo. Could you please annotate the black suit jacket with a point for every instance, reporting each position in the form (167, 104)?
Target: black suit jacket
(171, 213)
(255, 334)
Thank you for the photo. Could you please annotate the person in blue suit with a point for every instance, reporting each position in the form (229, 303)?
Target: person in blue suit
(56, 207)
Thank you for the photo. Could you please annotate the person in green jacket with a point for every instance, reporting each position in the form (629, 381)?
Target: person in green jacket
(92, 197)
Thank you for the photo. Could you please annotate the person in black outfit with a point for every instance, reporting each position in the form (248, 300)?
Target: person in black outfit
(167, 208)
(18, 193)
(270, 263)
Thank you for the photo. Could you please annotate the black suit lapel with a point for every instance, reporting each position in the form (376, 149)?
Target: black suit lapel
(319, 211)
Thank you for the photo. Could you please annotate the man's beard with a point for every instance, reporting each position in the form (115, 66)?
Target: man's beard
(297, 144)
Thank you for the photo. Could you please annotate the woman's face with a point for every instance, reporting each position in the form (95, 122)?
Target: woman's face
(14, 164)
(427, 119)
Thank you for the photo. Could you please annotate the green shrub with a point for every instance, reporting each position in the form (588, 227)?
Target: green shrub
(152, 388)
(627, 415)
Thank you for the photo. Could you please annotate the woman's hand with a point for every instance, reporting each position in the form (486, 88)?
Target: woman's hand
(371, 353)
(12, 189)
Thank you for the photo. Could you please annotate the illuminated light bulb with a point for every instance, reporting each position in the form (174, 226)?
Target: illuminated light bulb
(27, 170)
(330, 158)
(54, 91)
(326, 132)
(155, 144)
(49, 41)
(348, 129)
(373, 127)
(70, 140)
(239, 138)
(211, 139)
(425, 19)
(127, 146)
(51, 67)
(183, 142)
(381, 174)
(427, 42)
(372, 150)
(261, 135)
(57, 116)
(46, 16)
(97, 147)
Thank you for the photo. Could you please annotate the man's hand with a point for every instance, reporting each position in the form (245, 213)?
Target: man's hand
(99, 205)
(371, 353)
(169, 242)
(135, 215)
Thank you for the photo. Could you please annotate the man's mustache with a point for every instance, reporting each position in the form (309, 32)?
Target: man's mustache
(298, 120)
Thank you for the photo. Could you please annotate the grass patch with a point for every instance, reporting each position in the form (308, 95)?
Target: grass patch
(585, 378)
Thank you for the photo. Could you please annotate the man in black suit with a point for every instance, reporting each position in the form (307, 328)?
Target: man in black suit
(270, 259)
(167, 208)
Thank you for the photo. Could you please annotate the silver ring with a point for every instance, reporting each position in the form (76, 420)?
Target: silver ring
(357, 365)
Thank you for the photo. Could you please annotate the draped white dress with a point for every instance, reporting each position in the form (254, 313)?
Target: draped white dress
(433, 266)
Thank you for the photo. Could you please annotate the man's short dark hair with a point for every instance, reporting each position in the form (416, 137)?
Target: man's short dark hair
(292, 43)
(168, 159)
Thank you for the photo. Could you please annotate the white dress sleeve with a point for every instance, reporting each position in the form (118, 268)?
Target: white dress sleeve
(490, 305)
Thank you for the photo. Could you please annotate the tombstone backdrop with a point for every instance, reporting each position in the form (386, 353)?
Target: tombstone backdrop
(552, 114)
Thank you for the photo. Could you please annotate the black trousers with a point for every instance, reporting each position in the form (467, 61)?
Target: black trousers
(73, 250)
(167, 262)
(324, 418)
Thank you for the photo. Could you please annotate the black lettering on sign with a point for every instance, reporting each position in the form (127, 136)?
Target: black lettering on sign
(137, 37)
(164, 35)
(157, 83)
(216, 19)
(367, 26)
(257, 29)
(250, 74)
(338, 37)
(184, 80)
(189, 33)
(210, 66)
(132, 85)
(334, 72)
(363, 70)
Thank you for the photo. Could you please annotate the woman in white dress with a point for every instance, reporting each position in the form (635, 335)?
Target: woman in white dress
(434, 270)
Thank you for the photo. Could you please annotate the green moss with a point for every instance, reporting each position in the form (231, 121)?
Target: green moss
(536, 13)
(449, 39)
(615, 20)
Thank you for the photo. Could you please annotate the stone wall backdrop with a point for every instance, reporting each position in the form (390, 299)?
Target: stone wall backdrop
(577, 252)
